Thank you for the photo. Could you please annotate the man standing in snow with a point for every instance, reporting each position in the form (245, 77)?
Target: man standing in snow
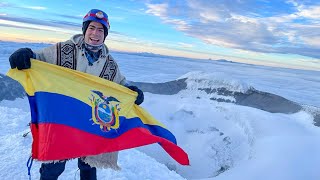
(87, 53)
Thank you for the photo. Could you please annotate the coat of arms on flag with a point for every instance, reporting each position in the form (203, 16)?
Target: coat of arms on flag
(105, 111)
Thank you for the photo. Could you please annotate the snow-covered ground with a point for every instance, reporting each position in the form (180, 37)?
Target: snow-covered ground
(224, 141)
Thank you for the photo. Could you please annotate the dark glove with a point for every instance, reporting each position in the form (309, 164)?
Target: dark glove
(140, 96)
(21, 58)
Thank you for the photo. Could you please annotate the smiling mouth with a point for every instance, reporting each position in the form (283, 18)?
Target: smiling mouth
(94, 40)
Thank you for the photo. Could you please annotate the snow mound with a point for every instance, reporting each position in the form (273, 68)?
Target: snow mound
(213, 86)
(216, 137)
(198, 79)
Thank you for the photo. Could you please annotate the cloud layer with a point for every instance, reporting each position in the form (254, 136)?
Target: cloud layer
(288, 27)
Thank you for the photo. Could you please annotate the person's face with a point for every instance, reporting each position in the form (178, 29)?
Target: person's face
(94, 34)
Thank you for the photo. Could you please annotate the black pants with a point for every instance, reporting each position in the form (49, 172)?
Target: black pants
(51, 171)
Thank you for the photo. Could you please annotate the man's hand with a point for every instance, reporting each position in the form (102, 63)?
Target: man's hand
(21, 58)
(140, 96)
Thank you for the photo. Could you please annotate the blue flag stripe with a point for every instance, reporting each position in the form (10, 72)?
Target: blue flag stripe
(60, 109)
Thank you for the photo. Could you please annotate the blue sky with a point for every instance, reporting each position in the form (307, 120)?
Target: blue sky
(275, 33)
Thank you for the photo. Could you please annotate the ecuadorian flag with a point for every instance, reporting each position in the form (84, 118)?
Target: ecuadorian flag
(75, 114)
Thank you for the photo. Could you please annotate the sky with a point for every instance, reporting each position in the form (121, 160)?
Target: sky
(272, 33)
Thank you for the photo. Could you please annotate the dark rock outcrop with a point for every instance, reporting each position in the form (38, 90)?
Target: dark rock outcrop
(10, 89)
(267, 102)
(317, 120)
(166, 88)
